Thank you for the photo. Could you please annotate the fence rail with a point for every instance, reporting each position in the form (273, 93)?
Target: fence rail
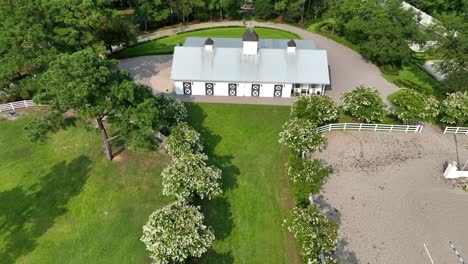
(17, 105)
(456, 130)
(371, 127)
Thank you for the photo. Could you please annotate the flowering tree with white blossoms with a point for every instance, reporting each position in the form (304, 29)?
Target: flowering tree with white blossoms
(365, 104)
(189, 174)
(183, 139)
(175, 233)
(308, 172)
(414, 105)
(455, 108)
(320, 110)
(313, 232)
(301, 135)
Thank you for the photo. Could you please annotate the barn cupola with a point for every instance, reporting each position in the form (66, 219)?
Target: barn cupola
(291, 46)
(209, 44)
(250, 42)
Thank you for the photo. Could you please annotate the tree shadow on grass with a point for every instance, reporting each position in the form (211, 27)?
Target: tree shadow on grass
(217, 211)
(25, 215)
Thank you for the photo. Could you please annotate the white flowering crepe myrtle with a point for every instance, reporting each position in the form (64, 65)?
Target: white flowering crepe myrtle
(301, 135)
(189, 174)
(320, 110)
(308, 171)
(175, 233)
(411, 104)
(455, 109)
(183, 139)
(313, 232)
(365, 104)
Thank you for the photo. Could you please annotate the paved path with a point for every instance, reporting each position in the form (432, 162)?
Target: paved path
(347, 68)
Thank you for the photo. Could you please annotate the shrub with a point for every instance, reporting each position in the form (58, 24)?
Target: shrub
(183, 139)
(313, 232)
(320, 110)
(301, 135)
(365, 104)
(411, 104)
(175, 233)
(189, 174)
(455, 108)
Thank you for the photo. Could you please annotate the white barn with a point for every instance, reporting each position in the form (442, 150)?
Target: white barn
(249, 67)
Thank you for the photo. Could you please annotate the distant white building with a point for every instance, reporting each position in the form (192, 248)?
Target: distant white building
(249, 67)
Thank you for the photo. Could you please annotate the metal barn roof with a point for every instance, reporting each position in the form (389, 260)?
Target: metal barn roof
(269, 65)
(237, 43)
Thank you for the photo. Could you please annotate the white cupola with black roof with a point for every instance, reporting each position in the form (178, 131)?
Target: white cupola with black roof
(250, 42)
(292, 46)
(209, 44)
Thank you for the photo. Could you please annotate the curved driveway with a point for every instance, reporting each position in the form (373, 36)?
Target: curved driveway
(347, 67)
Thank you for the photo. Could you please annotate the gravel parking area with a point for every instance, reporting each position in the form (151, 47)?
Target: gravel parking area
(388, 194)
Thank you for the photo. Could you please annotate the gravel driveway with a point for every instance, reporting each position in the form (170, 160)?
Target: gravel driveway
(347, 68)
(391, 198)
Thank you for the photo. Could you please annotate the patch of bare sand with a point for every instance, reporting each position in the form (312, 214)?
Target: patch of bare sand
(389, 196)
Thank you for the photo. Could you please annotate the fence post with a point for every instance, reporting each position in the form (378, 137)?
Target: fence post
(25, 104)
(391, 128)
(456, 131)
(420, 128)
(360, 126)
(445, 130)
(407, 128)
(329, 127)
(375, 127)
(12, 107)
(344, 128)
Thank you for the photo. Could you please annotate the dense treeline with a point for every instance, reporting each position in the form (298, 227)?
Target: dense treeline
(435, 7)
(34, 32)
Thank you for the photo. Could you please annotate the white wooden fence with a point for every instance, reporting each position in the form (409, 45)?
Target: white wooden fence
(370, 127)
(17, 105)
(456, 130)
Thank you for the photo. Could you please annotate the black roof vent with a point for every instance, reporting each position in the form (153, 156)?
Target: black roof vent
(209, 41)
(250, 35)
(292, 43)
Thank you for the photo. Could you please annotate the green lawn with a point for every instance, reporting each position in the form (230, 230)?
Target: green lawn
(61, 201)
(243, 141)
(166, 45)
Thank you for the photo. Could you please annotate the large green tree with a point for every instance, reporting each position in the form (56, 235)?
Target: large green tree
(452, 44)
(95, 89)
(381, 29)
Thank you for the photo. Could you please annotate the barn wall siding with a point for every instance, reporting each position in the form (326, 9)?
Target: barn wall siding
(243, 89)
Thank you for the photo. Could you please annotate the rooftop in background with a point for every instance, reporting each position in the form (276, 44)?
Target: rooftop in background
(237, 43)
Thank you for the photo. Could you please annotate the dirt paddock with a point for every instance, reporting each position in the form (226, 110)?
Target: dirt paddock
(388, 194)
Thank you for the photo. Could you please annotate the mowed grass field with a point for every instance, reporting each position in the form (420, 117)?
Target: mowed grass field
(61, 201)
(166, 45)
(243, 141)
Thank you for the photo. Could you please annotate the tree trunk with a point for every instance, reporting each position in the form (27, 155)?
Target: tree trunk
(146, 25)
(106, 139)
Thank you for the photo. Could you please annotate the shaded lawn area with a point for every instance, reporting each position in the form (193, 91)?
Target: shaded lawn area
(166, 45)
(61, 201)
(243, 141)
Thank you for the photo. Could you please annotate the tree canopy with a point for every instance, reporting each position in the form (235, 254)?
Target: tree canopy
(175, 233)
(320, 110)
(95, 89)
(365, 104)
(413, 105)
(301, 135)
